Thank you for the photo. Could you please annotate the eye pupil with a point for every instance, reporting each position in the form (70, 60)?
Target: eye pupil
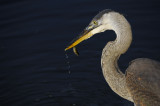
(94, 22)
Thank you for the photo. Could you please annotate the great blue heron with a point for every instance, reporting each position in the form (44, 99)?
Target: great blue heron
(141, 82)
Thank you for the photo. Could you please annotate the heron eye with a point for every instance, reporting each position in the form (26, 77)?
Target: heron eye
(94, 22)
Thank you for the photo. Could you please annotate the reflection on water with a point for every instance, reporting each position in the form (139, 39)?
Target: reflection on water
(36, 71)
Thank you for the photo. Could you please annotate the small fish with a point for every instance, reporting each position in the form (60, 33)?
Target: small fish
(75, 51)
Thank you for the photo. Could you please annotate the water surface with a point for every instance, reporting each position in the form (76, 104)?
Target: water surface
(33, 36)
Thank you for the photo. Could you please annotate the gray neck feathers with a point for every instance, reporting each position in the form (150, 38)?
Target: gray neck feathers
(111, 53)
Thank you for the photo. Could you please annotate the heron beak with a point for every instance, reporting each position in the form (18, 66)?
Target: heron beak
(83, 36)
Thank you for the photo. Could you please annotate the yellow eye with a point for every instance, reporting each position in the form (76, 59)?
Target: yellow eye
(94, 22)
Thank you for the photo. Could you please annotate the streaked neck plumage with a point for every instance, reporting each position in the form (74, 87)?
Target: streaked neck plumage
(112, 51)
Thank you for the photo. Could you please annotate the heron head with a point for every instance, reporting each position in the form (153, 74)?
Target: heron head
(97, 25)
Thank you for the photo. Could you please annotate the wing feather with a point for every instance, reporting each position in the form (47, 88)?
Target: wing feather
(143, 82)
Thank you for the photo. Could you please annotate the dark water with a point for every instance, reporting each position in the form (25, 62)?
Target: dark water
(34, 70)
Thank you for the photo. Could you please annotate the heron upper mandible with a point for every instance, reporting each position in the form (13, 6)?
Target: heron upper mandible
(141, 82)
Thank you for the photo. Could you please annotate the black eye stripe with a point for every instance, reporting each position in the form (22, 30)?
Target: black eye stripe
(100, 14)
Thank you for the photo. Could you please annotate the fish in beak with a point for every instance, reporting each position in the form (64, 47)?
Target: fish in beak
(87, 33)
(83, 36)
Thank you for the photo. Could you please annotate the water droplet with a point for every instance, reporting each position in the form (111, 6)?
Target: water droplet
(68, 63)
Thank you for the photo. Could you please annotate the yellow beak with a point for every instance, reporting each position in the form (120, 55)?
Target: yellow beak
(85, 35)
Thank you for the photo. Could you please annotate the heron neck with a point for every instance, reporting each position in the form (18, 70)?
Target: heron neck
(110, 55)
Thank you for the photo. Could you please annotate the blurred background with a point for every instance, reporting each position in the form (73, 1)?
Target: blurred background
(35, 70)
